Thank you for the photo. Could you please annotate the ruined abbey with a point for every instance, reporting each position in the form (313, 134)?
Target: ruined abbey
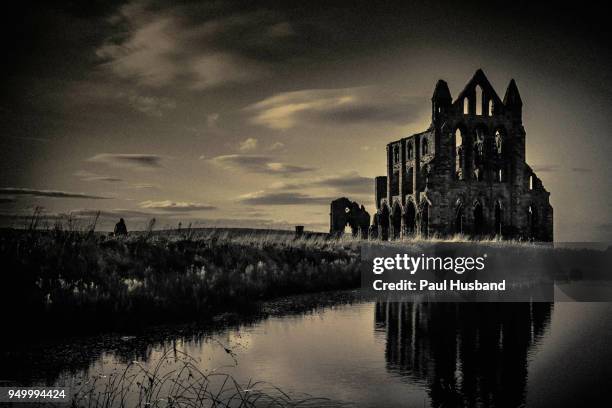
(465, 174)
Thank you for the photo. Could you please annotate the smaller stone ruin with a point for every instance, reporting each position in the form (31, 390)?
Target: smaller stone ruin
(344, 212)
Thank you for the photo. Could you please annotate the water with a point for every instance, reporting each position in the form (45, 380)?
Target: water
(381, 354)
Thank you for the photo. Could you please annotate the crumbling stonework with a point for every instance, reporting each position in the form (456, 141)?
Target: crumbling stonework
(465, 174)
(345, 212)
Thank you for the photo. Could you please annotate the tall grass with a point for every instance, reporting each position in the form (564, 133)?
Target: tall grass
(176, 380)
(80, 279)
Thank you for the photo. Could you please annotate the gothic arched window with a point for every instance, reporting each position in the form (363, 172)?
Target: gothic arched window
(499, 142)
(478, 100)
(459, 154)
(479, 144)
(409, 151)
(425, 147)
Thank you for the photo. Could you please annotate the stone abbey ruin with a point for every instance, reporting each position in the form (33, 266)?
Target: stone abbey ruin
(466, 174)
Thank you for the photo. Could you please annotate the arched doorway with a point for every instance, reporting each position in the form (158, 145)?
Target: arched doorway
(459, 219)
(396, 220)
(410, 218)
(498, 219)
(424, 224)
(347, 229)
(479, 224)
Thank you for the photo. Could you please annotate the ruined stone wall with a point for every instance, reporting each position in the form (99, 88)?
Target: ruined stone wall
(344, 212)
(476, 184)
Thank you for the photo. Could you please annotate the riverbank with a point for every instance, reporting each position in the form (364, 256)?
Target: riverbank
(58, 282)
(65, 281)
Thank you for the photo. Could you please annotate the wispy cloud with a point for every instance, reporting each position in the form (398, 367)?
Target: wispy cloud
(31, 139)
(194, 46)
(149, 105)
(276, 146)
(350, 182)
(176, 206)
(248, 144)
(258, 163)
(581, 170)
(143, 186)
(334, 106)
(47, 193)
(281, 198)
(146, 161)
(89, 176)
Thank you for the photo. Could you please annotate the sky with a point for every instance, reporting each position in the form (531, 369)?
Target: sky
(258, 114)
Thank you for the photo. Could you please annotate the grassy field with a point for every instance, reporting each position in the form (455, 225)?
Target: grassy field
(60, 280)
(81, 279)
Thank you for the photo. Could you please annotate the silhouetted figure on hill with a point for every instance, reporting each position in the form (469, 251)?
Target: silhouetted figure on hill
(120, 228)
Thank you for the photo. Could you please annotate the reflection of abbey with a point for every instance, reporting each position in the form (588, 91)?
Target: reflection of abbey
(465, 174)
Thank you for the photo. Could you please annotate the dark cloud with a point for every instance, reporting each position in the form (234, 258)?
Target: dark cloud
(282, 198)
(174, 206)
(195, 45)
(368, 112)
(344, 183)
(47, 193)
(351, 183)
(149, 161)
(7, 200)
(259, 164)
(30, 139)
(114, 213)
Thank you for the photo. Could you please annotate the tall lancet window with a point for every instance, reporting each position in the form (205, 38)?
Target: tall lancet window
(478, 100)
(499, 142)
(479, 145)
(425, 147)
(459, 154)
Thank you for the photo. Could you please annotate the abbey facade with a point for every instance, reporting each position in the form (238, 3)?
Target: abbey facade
(466, 174)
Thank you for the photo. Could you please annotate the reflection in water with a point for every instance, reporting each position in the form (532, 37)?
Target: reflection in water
(468, 354)
(371, 354)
